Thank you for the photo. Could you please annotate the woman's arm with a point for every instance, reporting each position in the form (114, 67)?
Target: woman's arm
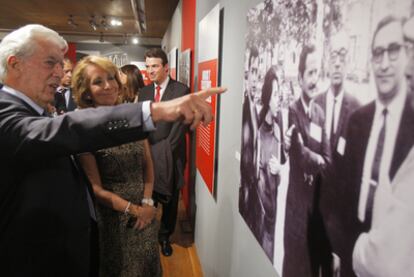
(104, 196)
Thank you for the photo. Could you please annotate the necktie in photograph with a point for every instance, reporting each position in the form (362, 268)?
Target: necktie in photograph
(331, 138)
(375, 171)
(61, 101)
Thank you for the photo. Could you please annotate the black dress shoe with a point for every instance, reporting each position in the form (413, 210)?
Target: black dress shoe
(166, 248)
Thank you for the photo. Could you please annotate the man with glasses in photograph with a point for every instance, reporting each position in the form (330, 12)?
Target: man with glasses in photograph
(379, 134)
(337, 105)
(387, 249)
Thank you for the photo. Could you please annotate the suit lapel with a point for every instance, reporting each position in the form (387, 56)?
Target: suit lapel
(405, 139)
(168, 91)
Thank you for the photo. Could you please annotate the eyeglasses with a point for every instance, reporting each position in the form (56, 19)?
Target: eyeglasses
(393, 51)
(341, 54)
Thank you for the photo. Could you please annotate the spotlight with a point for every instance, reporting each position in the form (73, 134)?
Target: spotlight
(71, 22)
(93, 24)
(116, 22)
(104, 24)
(135, 40)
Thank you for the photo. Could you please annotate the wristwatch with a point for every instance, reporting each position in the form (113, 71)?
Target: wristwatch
(148, 201)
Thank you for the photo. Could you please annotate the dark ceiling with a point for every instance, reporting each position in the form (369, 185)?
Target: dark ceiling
(154, 15)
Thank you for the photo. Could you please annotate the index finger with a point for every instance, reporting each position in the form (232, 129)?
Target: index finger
(204, 94)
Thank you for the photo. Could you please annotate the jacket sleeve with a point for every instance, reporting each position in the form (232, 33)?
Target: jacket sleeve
(26, 137)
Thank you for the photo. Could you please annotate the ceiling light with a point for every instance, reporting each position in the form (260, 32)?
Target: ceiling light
(135, 40)
(116, 22)
(93, 24)
(125, 39)
(104, 24)
(71, 22)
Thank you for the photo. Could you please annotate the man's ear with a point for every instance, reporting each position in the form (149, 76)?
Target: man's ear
(13, 63)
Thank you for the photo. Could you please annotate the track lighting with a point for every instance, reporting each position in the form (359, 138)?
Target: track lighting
(93, 23)
(71, 22)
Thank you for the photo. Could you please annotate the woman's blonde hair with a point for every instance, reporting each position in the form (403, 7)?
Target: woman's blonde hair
(81, 82)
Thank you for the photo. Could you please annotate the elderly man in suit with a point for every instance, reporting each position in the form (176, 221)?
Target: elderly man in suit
(46, 204)
(387, 249)
(168, 144)
(63, 97)
(379, 134)
(309, 155)
(337, 105)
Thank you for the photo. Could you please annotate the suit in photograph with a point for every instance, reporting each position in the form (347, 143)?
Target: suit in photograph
(331, 205)
(301, 220)
(359, 129)
(168, 147)
(45, 204)
(61, 104)
(387, 249)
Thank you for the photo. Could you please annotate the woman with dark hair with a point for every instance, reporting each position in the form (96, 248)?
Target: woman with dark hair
(132, 82)
(270, 158)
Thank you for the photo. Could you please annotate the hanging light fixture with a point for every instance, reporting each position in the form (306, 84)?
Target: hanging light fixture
(93, 23)
(71, 22)
(104, 24)
(135, 40)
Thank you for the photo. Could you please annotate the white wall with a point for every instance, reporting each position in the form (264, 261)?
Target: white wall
(225, 244)
(172, 37)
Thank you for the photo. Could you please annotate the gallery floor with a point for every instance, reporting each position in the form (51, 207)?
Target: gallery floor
(184, 262)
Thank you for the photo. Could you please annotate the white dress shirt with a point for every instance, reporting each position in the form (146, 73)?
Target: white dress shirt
(393, 119)
(388, 248)
(23, 97)
(329, 110)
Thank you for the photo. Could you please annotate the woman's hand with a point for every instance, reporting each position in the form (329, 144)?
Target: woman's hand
(145, 214)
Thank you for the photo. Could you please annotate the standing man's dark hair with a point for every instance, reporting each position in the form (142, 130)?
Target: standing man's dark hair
(157, 53)
(306, 50)
(254, 53)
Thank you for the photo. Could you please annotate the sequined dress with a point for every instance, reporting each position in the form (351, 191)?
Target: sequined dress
(125, 251)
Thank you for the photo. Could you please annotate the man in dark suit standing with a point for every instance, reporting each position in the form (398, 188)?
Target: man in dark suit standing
(63, 97)
(309, 153)
(167, 141)
(45, 203)
(249, 204)
(337, 105)
(380, 134)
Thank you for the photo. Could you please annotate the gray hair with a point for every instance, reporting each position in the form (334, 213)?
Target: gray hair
(23, 42)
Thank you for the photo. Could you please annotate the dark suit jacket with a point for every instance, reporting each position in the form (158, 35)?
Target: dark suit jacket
(59, 100)
(331, 198)
(304, 178)
(349, 105)
(359, 130)
(174, 134)
(44, 214)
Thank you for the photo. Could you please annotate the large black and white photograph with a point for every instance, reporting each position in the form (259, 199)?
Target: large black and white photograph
(326, 135)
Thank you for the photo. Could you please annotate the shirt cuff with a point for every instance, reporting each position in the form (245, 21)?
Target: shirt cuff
(148, 124)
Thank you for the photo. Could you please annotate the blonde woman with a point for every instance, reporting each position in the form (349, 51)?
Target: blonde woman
(122, 179)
